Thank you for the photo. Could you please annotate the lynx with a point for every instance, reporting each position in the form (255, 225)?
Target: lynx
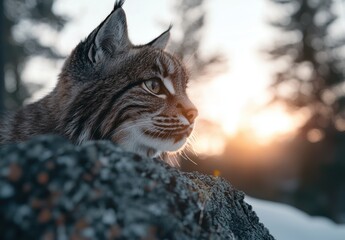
(110, 89)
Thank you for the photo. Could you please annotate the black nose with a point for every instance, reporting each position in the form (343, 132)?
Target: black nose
(191, 114)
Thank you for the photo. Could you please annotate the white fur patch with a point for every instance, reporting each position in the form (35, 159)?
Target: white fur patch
(136, 141)
(84, 136)
(163, 145)
(169, 85)
(183, 120)
(161, 96)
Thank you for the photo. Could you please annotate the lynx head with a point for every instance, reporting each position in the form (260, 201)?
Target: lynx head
(132, 95)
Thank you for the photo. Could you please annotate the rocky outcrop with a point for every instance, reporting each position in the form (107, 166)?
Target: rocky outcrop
(51, 189)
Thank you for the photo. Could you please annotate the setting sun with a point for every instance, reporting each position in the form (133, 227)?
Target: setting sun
(233, 99)
(271, 123)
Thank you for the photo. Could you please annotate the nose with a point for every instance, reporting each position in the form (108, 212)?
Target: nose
(189, 112)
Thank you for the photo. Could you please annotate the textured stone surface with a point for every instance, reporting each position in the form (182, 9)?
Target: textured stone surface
(50, 189)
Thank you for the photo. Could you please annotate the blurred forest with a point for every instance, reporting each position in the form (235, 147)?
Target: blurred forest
(20, 41)
(315, 70)
(190, 23)
(308, 171)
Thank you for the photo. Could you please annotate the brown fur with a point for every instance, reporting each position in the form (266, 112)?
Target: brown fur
(101, 94)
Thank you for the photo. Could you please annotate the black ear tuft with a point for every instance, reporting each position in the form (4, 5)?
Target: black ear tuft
(118, 4)
(169, 28)
(162, 40)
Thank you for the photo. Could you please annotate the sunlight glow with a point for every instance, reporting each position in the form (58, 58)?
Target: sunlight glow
(236, 101)
(209, 138)
(271, 123)
(315, 135)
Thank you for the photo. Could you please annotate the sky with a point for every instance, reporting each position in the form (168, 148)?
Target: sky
(237, 29)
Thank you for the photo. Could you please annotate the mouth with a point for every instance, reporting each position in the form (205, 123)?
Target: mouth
(151, 140)
(177, 134)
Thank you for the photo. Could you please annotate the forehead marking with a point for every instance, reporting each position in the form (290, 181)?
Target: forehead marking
(166, 65)
(171, 65)
(169, 85)
(162, 70)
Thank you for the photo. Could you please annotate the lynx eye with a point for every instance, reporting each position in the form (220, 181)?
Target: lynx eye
(154, 86)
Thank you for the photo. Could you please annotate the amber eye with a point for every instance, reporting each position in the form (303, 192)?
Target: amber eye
(154, 86)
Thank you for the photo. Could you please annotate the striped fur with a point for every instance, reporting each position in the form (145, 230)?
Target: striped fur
(108, 89)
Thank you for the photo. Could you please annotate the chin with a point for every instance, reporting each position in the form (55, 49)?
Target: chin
(148, 146)
(171, 145)
(163, 145)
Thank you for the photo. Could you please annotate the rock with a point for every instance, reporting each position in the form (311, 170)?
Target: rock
(51, 189)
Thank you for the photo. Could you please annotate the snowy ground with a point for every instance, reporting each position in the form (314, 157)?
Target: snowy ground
(285, 222)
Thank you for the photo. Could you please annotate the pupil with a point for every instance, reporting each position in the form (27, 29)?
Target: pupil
(155, 86)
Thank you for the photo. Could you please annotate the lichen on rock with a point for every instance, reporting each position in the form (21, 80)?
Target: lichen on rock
(51, 189)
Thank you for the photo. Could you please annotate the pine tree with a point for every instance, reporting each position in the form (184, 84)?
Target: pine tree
(312, 78)
(22, 16)
(314, 69)
(190, 22)
(2, 55)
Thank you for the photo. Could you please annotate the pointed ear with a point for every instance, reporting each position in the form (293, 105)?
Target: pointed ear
(162, 41)
(111, 37)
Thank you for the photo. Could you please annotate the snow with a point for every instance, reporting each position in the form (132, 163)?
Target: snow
(285, 222)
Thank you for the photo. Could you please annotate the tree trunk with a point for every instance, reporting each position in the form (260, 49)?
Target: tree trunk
(54, 190)
(2, 57)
